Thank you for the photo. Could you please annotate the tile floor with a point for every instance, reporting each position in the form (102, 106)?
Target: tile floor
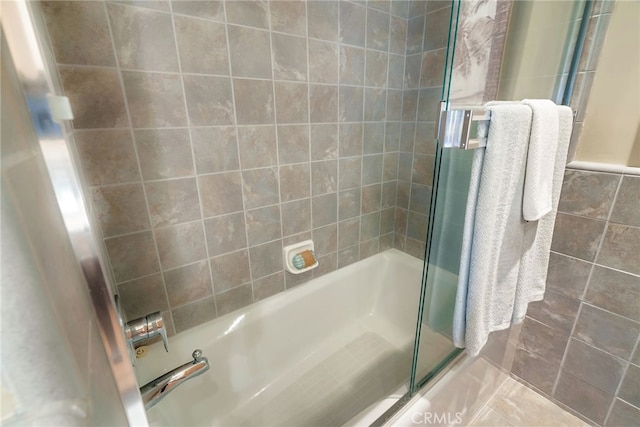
(517, 405)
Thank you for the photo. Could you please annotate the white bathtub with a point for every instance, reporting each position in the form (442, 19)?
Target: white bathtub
(323, 353)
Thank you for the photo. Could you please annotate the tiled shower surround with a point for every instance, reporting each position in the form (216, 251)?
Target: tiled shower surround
(579, 346)
(212, 133)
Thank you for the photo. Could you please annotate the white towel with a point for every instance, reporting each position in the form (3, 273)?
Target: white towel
(543, 145)
(538, 234)
(490, 258)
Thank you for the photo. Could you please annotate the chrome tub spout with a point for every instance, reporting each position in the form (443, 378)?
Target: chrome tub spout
(156, 390)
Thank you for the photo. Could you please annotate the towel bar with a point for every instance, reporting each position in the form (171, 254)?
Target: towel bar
(457, 126)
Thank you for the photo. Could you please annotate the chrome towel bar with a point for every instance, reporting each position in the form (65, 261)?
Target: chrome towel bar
(462, 127)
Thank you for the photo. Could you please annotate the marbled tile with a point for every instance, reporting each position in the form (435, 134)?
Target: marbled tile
(415, 31)
(142, 296)
(403, 195)
(351, 108)
(535, 370)
(260, 187)
(588, 193)
(417, 226)
(369, 248)
(395, 77)
(583, 398)
(324, 209)
(324, 177)
(373, 138)
(296, 238)
(377, 30)
(210, 9)
(349, 203)
(389, 194)
(263, 224)
(352, 24)
(266, 259)
(350, 138)
(209, 100)
(95, 97)
(626, 209)
(423, 169)
(225, 233)
(132, 256)
(254, 101)
(325, 239)
(405, 163)
(577, 236)
(614, 291)
(155, 100)
(107, 157)
(144, 39)
(369, 226)
(202, 46)
(194, 314)
(375, 105)
(230, 270)
(294, 182)
(293, 144)
(623, 414)
(173, 201)
(432, 69)
(181, 244)
(400, 8)
(349, 173)
(220, 193)
(268, 286)
(394, 105)
(291, 102)
(555, 310)
(437, 29)
(324, 58)
(415, 248)
(635, 359)
(293, 280)
(387, 223)
(326, 264)
(120, 209)
(407, 137)
(542, 341)
(257, 146)
(348, 255)
(409, 105)
(428, 104)
(567, 276)
(351, 66)
(250, 13)
(594, 366)
(389, 166)
(215, 149)
(289, 57)
(323, 103)
(425, 141)
(188, 284)
(397, 35)
(79, 32)
(376, 68)
(164, 153)
(630, 388)
(324, 141)
(606, 331)
(392, 137)
(296, 217)
(620, 248)
(348, 233)
(322, 20)
(250, 52)
(371, 198)
(372, 169)
(412, 71)
(288, 17)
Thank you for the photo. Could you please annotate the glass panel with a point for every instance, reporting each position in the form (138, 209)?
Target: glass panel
(530, 68)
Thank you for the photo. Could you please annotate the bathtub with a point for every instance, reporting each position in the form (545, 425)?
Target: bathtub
(333, 351)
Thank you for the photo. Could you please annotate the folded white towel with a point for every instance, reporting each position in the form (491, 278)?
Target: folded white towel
(543, 146)
(490, 258)
(538, 234)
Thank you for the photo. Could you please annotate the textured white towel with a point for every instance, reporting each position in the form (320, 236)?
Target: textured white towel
(541, 158)
(490, 258)
(538, 234)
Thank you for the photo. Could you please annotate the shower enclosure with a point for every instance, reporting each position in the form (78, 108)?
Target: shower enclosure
(206, 135)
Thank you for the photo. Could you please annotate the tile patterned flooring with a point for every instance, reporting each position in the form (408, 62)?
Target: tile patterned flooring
(515, 405)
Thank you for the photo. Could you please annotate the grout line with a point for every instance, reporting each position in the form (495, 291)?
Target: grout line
(135, 150)
(193, 160)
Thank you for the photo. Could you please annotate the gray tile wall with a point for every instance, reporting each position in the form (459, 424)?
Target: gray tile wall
(579, 346)
(212, 133)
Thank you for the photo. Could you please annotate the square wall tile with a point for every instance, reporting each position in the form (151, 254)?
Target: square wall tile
(220, 193)
(155, 100)
(583, 398)
(266, 259)
(588, 193)
(594, 366)
(324, 58)
(614, 291)
(268, 286)
(142, 296)
(188, 284)
(257, 146)
(288, 17)
(254, 101)
(250, 51)
(234, 299)
(107, 157)
(353, 22)
(377, 30)
(196, 313)
(210, 9)
(132, 256)
(164, 153)
(620, 248)
(294, 182)
(289, 57)
(293, 144)
(209, 100)
(625, 211)
(181, 244)
(173, 201)
(292, 102)
(323, 103)
(202, 46)
(120, 209)
(577, 236)
(324, 141)
(263, 225)
(296, 217)
(351, 65)
(322, 20)
(324, 210)
(607, 331)
(260, 187)
(230, 270)
(253, 13)
(567, 276)
(324, 177)
(225, 233)
(215, 149)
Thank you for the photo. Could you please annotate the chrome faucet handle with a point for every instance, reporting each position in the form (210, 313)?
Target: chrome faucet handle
(143, 329)
(197, 354)
(156, 327)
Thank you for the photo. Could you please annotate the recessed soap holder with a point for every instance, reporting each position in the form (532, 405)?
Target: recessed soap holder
(292, 250)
